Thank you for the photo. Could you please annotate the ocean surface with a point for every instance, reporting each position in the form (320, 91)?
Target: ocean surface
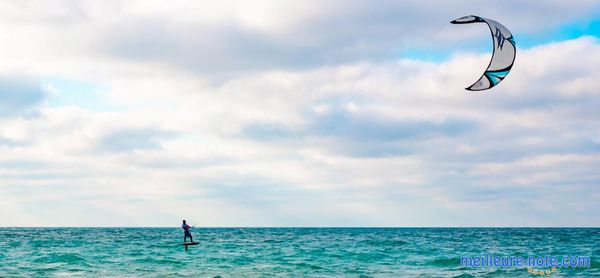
(287, 252)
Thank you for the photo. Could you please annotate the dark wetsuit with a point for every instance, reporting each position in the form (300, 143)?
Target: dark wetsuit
(186, 233)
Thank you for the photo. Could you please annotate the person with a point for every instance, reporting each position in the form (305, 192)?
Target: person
(186, 232)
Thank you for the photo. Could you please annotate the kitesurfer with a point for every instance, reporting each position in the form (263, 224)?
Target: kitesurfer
(186, 232)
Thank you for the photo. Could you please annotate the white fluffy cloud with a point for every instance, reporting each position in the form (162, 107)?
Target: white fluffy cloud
(358, 140)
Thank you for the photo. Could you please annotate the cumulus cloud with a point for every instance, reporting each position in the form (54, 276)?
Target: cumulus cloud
(130, 140)
(318, 122)
(228, 38)
(278, 36)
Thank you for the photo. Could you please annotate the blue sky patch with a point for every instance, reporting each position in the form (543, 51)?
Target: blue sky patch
(67, 92)
(570, 31)
(443, 51)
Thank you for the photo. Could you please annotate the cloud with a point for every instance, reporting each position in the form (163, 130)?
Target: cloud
(9, 142)
(133, 139)
(228, 38)
(533, 116)
(359, 132)
(320, 119)
(335, 32)
(368, 128)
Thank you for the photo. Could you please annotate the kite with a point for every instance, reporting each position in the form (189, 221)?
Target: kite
(503, 56)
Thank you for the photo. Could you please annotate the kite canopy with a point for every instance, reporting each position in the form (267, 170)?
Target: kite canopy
(503, 56)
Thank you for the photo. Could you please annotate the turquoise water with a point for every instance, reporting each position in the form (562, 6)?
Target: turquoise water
(297, 252)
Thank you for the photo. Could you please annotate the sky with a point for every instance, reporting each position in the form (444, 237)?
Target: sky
(296, 113)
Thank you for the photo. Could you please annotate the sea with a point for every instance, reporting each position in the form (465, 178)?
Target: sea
(293, 252)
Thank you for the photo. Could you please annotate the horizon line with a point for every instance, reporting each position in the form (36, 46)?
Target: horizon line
(318, 227)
